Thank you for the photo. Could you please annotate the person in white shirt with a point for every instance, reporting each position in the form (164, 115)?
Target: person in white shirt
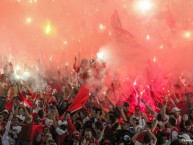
(177, 115)
(173, 128)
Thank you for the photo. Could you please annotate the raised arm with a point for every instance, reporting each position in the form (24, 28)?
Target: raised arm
(123, 114)
(172, 101)
(152, 136)
(5, 139)
(27, 115)
(163, 109)
(110, 101)
(102, 132)
(27, 87)
(154, 125)
(75, 64)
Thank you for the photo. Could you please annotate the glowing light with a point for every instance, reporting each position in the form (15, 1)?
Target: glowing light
(102, 27)
(32, 1)
(147, 37)
(17, 77)
(28, 20)
(135, 83)
(143, 5)
(187, 34)
(26, 73)
(100, 55)
(154, 59)
(17, 68)
(47, 29)
(23, 75)
(161, 46)
(50, 58)
(65, 42)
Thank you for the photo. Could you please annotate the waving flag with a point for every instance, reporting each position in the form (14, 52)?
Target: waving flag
(80, 99)
(121, 33)
(115, 21)
(170, 19)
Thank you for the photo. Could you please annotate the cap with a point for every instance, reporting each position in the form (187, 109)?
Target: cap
(185, 136)
(126, 138)
(6, 111)
(175, 109)
(22, 118)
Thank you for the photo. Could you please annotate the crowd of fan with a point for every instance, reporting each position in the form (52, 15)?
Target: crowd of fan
(42, 117)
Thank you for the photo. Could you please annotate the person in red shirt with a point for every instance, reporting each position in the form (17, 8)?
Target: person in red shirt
(42, 137)
(81, 70)
(181, 103)
(41, 118)
(25, 136)
(126, 110)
